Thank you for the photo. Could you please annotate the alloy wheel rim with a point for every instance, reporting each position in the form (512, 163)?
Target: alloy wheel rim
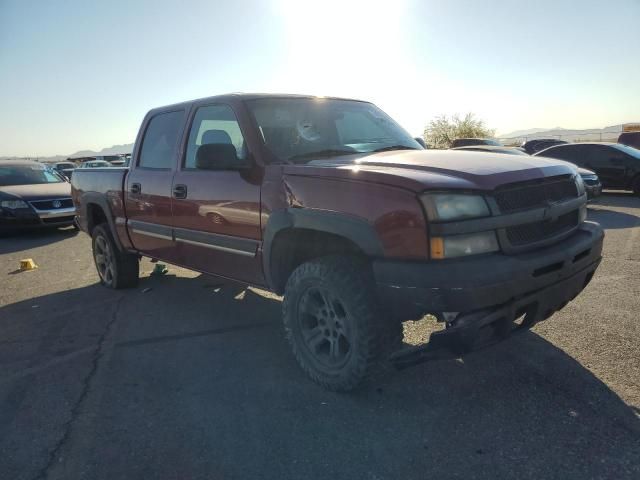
(324, 327)
(104, 260)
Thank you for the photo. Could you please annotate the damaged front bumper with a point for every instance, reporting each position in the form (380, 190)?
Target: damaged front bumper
(492, 296)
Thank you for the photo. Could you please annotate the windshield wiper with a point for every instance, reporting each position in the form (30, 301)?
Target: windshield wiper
(394, 147)
(328, 152)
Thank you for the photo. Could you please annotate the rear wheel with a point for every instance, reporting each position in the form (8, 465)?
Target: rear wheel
(332, 321)
(115, 268)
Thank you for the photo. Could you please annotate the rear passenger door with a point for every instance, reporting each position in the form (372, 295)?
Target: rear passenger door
(216, 198)
(148, 186)
(610, 164)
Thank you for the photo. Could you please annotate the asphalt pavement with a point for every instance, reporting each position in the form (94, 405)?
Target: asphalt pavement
(189, 377)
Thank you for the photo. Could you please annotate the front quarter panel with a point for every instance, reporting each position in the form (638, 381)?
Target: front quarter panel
(394, 214)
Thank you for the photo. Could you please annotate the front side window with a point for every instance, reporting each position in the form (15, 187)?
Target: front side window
(160, 140)
(299, 129)
(27, 175)
(215, 124)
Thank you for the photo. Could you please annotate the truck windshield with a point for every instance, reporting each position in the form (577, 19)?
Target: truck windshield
(301, 129)
(27, 175)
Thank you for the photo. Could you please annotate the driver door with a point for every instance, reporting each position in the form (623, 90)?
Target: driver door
(216, 207)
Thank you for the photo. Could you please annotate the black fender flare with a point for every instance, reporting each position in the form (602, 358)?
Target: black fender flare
(100, 200)
(355, 229)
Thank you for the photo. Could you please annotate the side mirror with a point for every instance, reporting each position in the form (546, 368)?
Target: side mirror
(219, 156)
(421, 141)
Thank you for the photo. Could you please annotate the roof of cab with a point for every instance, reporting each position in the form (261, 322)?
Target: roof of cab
(247, 96)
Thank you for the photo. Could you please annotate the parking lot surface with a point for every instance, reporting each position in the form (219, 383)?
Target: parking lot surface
(186, 377)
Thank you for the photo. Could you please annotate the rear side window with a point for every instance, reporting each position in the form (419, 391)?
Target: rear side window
(160, 140)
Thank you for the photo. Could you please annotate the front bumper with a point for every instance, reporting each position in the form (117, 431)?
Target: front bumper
(26, 218)
(489, 292)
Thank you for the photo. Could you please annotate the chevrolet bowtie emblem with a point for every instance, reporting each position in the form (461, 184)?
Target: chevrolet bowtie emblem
(548, 212)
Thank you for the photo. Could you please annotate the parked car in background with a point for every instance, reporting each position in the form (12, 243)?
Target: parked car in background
(32, 195)
(95, 164)
(492, 149)
(617, 165)
(539, 144)
(122, 161)
(65, 168)
(590, 179)
(466, 142)
(631, 139)
(331, 203)
(592, 183)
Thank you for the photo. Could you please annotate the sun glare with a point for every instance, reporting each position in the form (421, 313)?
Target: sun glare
(329, 42)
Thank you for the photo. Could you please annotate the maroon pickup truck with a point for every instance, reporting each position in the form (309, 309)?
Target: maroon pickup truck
(331, 203)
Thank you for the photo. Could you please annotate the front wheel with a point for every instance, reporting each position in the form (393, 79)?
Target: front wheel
(332, 321)
(115, 268)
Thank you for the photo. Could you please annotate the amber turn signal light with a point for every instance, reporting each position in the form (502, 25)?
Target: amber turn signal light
(437, 247)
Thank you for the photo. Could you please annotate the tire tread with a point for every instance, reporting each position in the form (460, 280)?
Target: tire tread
(355, 281)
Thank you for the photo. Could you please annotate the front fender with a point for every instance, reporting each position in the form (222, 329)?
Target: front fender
(358, 231)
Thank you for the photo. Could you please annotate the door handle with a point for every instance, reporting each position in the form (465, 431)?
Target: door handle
(136, 188)
(180, 191)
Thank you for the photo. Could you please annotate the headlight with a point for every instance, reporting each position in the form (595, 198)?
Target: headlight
(445, 206)
(460, 245)
(13, 204)
(580, 185)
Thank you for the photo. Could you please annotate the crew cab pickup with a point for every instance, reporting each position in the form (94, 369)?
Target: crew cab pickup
(332, 204)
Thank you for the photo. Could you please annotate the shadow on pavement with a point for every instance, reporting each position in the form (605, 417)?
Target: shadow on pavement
(612, 219)
(16, 241)
(616, 198)
(195, 380)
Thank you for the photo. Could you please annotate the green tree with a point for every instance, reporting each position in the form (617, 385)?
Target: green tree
(443, 130)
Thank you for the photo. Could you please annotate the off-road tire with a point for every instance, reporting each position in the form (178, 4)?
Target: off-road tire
(349, 281)
(123, 268)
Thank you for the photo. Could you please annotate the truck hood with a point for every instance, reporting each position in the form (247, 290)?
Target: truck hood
(43, 191)
(434, 169)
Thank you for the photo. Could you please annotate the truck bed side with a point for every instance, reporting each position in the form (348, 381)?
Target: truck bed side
(98, 195)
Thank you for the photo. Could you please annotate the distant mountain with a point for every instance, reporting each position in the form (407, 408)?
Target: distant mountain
(571, 135)
(113, 150)
(526, 133)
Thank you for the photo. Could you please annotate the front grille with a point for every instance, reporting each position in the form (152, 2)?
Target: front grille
(538, 231)
(48, 204)
(538, 193)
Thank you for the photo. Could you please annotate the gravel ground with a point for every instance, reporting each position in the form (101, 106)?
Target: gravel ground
(188, 377)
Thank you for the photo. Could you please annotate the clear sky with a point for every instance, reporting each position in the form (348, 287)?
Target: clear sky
(81, 74)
